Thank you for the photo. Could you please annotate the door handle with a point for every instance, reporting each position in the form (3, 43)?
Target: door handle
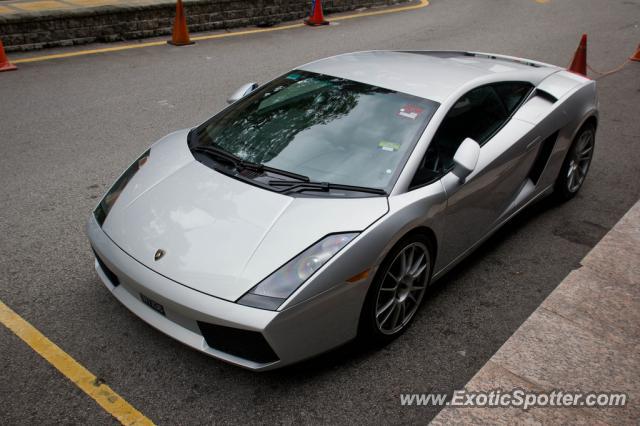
(533, 143)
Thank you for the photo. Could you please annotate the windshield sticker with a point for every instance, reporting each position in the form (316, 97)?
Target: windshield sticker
(388, 146)
(294, 76)
(410, 111)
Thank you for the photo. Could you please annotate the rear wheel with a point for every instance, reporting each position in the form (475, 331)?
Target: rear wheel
(576, 165)
(397, 290)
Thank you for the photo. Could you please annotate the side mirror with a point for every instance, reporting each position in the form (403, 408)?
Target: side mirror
(243, 91)
(466, 158)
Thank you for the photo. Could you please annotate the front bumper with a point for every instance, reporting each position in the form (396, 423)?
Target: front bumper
(295, 333)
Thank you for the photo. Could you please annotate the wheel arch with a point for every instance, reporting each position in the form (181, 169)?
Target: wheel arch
(590, 116)
(423, 230)
(592, 119)
(431, 239)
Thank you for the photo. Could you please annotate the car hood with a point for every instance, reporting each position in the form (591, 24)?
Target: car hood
(220, 236)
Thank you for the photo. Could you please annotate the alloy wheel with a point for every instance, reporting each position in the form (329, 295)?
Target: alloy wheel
(579, 164)
(402, 288)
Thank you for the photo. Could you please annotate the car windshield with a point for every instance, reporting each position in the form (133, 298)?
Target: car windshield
(327, 128)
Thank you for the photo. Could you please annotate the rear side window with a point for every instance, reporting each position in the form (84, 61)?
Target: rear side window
(512, 94)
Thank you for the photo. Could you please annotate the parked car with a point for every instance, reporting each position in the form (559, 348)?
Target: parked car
(319, 206)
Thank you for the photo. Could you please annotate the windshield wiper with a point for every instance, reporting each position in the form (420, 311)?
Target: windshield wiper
(218, 154)
(292, 186)
(303, 183)
(241, 164)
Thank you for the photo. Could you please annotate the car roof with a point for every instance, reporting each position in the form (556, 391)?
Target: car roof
(434, 75)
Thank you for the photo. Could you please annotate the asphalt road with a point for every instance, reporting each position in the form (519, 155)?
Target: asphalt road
(68, 127)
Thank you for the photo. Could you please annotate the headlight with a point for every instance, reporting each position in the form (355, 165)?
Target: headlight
(271, 292)
(112, 195)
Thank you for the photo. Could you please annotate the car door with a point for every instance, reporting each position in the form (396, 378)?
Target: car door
(477, 204)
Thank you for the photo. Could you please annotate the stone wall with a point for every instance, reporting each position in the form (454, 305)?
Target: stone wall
(125, 22)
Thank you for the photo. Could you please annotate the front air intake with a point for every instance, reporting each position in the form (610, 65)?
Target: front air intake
(113, 278)
(249, 345)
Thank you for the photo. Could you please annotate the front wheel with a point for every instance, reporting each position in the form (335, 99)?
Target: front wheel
(397, 290)
(576, 165)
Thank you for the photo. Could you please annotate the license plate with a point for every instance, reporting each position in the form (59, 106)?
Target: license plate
(152, 304)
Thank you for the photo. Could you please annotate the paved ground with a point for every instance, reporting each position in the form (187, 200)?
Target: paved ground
(581, 338)
(69, 126)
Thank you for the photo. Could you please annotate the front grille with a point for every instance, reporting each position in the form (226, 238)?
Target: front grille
(113, 278)
(246, 344)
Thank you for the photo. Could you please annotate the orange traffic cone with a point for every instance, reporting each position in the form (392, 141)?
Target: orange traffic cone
(579, 62)
(180, 34)
(317, 17)
(636, 56)
(5, 65)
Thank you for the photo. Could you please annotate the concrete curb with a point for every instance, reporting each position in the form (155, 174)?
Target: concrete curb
(23, 31)
(584, 337)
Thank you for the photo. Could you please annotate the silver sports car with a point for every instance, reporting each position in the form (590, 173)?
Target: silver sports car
(318, 207)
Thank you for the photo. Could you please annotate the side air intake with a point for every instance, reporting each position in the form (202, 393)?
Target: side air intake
(545, 95)
(544, 153)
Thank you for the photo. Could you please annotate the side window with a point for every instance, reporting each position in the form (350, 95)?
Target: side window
(512, 94)
(478, 114)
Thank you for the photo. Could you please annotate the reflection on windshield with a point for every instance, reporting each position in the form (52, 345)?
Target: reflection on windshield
(327, 128)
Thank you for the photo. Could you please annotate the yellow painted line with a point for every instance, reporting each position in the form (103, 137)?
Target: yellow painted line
(419, 5)
(92, 2)
(41, 5)
(110, 401)
(247, 32)
(88, 52)
(5, 10)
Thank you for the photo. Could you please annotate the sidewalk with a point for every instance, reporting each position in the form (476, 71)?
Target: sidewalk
(584, 337)
(36, 24)
(41, 7)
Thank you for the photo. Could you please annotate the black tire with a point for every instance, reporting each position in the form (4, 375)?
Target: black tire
(564, 189)
(369, 330)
